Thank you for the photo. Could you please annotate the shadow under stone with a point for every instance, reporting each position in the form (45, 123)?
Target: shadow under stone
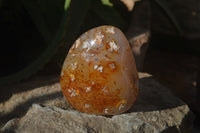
(154, 97)
(7, 91)
(22, 109)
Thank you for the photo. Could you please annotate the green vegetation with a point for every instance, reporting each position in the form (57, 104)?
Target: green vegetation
(59, 22)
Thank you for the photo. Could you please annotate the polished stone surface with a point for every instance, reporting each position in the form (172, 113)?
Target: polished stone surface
(99, 74)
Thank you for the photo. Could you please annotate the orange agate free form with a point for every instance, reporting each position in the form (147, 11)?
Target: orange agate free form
(99, 74)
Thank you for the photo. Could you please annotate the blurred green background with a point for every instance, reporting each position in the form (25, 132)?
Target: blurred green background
(33, 32)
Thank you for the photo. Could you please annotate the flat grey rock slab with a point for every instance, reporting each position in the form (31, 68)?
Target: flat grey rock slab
(156, 110)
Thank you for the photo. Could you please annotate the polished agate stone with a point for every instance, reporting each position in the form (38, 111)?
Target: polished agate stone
(99, 74)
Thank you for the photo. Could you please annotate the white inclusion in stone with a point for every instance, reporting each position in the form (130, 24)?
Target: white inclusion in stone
(87, 105)
(95, 67)
(77, 43)
(69, 90)
(74, 65)
(73, 92)
(113, 46)
(112, 65)
(73, 55)
(121, 106)
(110, 30)
(87, 56)
(106, 110)
(92, 54)
(92, 42)
(87, 89)
(100, 69)
(72, 77)
(99, 37)
(92, 82)
(73, 47)
(104, 90)
(87, 59)
(88, 45)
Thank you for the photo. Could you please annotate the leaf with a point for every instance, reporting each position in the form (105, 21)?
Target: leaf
(75, 18)
(33, 9)
(106, 2)
(49, 51)
(77, 13)
(108, 14)
(70, 24)
(52, 11)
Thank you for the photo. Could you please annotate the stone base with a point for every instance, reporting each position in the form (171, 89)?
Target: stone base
(156, 110)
